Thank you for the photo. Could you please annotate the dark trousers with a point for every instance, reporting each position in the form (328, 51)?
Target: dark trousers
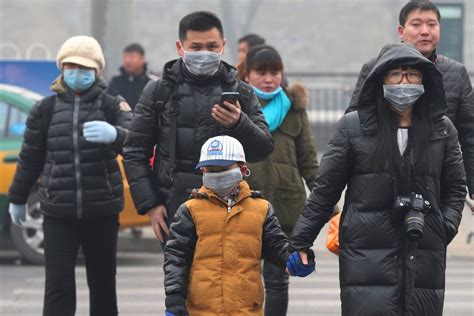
(98, 239)
(276, 289)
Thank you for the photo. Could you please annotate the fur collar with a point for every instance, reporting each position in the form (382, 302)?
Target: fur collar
(299, 95)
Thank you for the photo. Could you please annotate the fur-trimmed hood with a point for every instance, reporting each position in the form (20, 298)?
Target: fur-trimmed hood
(299, 95)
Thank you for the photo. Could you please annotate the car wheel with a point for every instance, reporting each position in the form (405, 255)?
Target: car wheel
(29, 239)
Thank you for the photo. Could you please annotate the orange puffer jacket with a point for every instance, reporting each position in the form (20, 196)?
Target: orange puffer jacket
(213, 256)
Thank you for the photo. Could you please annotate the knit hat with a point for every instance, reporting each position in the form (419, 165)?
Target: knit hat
(221, 151)
(81, 50)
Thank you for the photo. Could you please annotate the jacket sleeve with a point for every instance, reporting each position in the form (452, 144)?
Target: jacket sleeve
(364, 73)
(179, 252)
(275, 242)
(306, 152)
(138, 150)
(453, 184)
(334, 172)
(252, 129)
(465, 127)
(31, 158)
(123, 119)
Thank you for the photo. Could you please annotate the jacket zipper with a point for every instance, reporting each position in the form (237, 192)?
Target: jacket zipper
(75, 141)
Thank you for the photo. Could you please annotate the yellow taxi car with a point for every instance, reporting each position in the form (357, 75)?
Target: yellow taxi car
(15, 103)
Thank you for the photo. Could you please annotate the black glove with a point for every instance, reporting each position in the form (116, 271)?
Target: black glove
(176, 305)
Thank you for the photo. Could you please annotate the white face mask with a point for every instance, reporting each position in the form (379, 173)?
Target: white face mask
(222, 183)
(402, 96)
(202, 63)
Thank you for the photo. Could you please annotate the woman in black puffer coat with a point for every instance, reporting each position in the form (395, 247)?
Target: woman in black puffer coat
(385, 150)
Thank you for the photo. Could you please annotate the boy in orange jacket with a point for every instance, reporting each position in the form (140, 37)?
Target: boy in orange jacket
(218, 238)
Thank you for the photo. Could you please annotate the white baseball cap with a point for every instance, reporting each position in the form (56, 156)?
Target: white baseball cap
(221, 151)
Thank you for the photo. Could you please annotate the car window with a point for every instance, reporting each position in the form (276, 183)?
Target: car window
(16, 122)
(3, 118)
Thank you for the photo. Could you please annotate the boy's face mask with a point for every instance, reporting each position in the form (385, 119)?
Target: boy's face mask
(222, 183)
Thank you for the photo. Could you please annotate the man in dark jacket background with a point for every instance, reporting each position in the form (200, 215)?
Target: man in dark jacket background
(134, 75)
(177, 114)
(419, 25)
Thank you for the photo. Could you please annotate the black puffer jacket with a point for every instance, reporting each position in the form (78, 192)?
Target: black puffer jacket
(381, 271)
(194, 97)
(460, 100)
(78, 179)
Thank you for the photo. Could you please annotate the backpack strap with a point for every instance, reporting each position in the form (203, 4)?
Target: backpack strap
(105, 103)
(162, 95)
(353, 124)
(47, 108)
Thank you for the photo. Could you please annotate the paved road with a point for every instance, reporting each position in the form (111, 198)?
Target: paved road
(140, 290)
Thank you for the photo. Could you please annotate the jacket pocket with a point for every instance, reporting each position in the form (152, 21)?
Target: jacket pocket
(50, 177)
(344, 224)
(107, 178)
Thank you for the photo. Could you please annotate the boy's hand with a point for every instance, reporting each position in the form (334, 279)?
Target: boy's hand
(299, 264)
(158, 217)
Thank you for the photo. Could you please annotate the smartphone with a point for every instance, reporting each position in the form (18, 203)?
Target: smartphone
(231, 97)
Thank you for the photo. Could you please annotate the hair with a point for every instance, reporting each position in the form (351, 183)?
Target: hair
(422, 5)
(252, 40)
(261, 58)
(387, 126)
(134, 48)
(200, 21)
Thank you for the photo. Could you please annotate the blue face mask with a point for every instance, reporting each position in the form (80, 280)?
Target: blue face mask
(79, 79)
(266, 95)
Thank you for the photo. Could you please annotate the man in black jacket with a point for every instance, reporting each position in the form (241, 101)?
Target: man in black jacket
(133, 77)
(177, 114)
(419, 25)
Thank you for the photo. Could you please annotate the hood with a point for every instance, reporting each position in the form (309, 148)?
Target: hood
(175, 71)
(58, 86)
(394, 55)
(299, 95)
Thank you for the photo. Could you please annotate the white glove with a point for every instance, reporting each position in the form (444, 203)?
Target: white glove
(17, 213)
(99, 132)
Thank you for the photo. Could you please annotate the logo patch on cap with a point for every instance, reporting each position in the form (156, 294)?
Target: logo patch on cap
(215, 148)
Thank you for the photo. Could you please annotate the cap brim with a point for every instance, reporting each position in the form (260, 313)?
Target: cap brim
(218, 163)
(86, 62)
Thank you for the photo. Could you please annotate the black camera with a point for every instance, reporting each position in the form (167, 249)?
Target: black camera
(414, 206)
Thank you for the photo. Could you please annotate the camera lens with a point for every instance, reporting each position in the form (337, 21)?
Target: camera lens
(414, 224)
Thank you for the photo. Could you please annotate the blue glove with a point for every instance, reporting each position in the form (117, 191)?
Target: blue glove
(296, 267)
(99, 132)
(169, 314)
(17, 213)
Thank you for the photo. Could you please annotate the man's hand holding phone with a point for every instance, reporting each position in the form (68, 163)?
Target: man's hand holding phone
(227, 112)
